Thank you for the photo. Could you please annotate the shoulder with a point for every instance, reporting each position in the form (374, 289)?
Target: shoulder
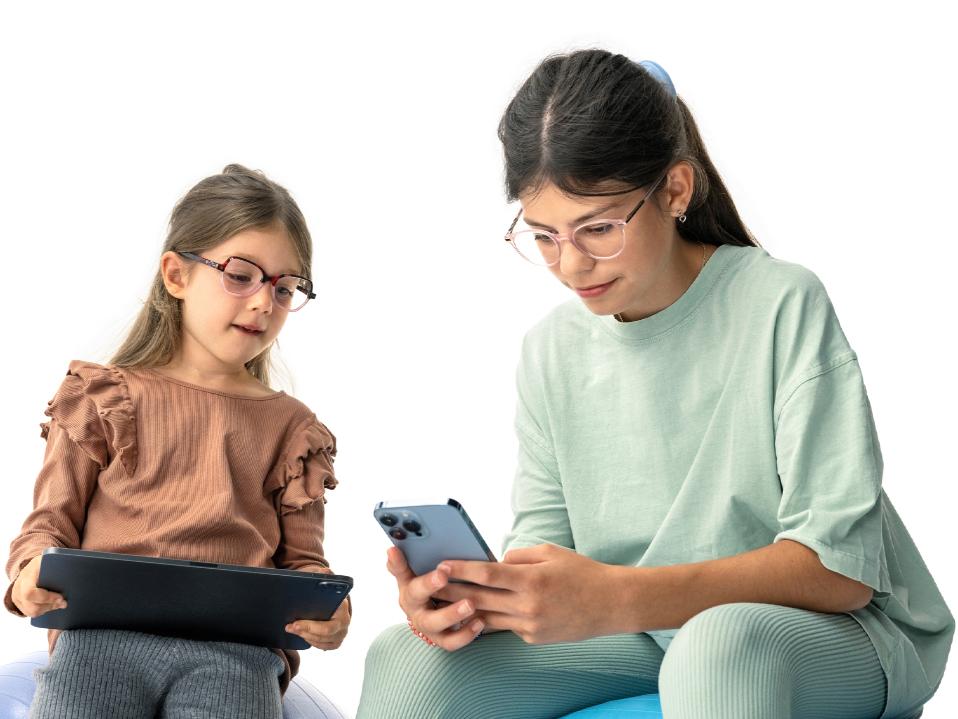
(94, 407)
(757, 275)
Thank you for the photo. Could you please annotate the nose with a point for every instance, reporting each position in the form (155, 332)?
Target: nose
(572, 260)
(262, 299)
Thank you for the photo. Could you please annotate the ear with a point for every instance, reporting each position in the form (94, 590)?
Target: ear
(679, 188)
(173, 269)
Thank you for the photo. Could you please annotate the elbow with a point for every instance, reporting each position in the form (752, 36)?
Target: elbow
(860, 595)
(847, 595)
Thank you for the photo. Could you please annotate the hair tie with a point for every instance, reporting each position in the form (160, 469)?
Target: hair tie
(659, 73)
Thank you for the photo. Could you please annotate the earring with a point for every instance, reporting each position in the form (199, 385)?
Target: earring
(681, 216)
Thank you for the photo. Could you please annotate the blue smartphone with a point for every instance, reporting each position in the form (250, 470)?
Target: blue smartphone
(427, 534)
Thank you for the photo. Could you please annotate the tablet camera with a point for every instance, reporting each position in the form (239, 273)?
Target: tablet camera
(388, 519)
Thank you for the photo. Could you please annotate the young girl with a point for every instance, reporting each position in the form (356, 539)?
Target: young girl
(695, 427)
(179, 448)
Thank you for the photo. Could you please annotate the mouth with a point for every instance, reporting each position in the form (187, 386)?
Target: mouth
(250, 329)
(594, 290)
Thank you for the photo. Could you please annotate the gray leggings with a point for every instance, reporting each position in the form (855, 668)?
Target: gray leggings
(102, 673)
(735, 661)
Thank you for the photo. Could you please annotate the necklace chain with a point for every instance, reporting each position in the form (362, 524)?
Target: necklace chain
(618, 315)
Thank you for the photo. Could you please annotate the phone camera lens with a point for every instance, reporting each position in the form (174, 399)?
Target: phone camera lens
(412, 525)
(397, 533)
(388, 519)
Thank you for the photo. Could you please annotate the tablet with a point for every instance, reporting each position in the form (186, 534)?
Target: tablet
(194, 600)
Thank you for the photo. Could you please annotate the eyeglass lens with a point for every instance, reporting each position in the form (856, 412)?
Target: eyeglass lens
(597, 239)
(244, 278)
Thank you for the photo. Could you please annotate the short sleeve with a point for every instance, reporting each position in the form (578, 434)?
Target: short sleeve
(94, 408)
(305, 469)
(538, 504)
(830, 467)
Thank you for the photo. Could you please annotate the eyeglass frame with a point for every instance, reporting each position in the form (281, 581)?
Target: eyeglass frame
(310, 295)
(558, 238)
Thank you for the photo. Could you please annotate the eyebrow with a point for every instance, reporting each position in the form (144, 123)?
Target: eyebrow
(579, 220)
(260, 265)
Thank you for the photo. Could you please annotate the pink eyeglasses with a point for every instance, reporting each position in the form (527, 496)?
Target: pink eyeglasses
(599, 239)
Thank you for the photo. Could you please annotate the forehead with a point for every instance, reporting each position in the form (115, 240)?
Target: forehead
(270, 247)
(549, 205)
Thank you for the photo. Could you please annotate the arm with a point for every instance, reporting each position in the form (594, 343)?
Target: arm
(549, 594)
(63, 489)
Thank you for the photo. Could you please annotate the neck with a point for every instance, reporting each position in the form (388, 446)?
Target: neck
(686, 263)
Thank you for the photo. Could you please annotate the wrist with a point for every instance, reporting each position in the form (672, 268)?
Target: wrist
(629, 587)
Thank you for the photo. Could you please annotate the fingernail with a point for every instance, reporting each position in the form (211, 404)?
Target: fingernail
(477, 626)
(444, 568)
(464, 609)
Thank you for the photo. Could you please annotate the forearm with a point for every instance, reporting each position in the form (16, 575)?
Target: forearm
(785, 573)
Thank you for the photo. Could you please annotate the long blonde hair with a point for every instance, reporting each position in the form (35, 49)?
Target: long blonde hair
(214, 210)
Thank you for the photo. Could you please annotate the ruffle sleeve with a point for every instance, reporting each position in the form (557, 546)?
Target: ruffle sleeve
(305, 469)
(94, 407)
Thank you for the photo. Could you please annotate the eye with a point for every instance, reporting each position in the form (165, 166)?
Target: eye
(238, 277)
(542, 238)
(284, 293)
(603, 228)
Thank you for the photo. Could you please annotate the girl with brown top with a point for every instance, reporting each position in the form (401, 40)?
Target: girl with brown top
(179, 448)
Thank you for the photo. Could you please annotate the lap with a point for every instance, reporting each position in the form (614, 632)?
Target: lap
(499, 675)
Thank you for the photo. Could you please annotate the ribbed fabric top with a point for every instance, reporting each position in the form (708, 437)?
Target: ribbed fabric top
(140, 463)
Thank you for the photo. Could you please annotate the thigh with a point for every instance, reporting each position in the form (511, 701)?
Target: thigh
(767, 661)
(98, 674)
(222, 680)
(499, 675)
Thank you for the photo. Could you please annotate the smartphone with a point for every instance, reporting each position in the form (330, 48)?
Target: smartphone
(427, 534)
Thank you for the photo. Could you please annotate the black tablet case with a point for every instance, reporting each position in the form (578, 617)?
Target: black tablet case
(195, 600)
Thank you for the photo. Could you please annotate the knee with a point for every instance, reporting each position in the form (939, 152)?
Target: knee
(389, 644)
(721, 644)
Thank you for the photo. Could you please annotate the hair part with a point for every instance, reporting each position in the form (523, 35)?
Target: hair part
(214, 210)
(591, 119)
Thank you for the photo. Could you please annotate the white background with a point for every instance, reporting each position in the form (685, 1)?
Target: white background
(833, 126)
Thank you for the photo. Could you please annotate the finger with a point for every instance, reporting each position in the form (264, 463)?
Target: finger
(43, 596)
(502, 622)
(482, 598)
(419, 590)
(488, 574)
(35, 610)
(451, 641)
(440, 620)
(529, 555)
(398, 566)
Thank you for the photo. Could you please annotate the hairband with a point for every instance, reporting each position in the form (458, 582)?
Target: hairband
(659, 73)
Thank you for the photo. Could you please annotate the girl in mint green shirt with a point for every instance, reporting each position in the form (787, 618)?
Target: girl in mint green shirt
(698, 503)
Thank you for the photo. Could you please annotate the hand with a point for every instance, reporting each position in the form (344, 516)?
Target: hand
(544, 594)
(30, 599)
(452, 626)
(327, 634)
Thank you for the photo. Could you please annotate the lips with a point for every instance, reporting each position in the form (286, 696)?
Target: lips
(250, 329)
(594, 290)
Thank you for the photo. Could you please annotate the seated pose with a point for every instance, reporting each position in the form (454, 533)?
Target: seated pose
(698, 507)
(179, 448)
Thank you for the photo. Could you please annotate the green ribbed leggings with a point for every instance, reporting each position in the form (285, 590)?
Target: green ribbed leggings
(735, 661)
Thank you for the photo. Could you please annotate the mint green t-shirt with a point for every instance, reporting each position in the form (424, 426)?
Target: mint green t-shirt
(733, 418)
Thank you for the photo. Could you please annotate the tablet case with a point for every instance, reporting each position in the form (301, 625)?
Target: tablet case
(194, 600)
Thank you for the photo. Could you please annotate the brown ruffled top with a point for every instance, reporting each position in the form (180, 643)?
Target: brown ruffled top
(140, 463)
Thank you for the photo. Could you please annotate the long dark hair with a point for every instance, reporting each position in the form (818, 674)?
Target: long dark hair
(590, 118)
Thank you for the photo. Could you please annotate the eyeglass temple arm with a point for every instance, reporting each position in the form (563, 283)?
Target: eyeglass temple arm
(647, 195)
(513, 225)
